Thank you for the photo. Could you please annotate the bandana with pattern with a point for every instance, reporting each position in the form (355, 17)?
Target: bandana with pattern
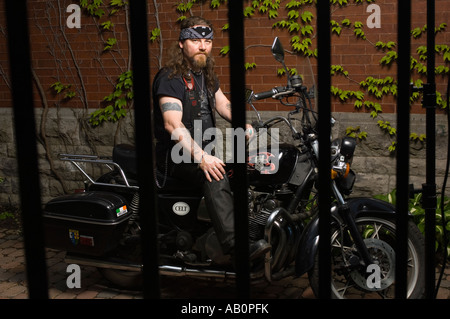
(199, 32)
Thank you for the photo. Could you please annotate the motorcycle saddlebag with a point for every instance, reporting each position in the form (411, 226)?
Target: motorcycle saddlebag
(89, 223)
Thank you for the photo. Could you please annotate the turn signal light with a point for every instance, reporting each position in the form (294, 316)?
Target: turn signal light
(335, 174)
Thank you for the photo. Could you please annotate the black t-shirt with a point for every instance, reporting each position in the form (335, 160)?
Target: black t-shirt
(176, 87)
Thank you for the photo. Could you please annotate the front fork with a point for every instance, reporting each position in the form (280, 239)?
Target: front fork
(344, 212)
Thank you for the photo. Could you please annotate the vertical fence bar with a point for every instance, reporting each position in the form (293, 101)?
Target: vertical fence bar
(25, 131)
(144, 146)
(429, 189)
(403, 114)
(324, 102)
(237, 75)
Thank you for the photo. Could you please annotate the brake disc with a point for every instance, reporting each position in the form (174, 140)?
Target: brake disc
(383, 256)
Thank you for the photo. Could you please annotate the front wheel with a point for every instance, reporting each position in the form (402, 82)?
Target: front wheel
(351, 280)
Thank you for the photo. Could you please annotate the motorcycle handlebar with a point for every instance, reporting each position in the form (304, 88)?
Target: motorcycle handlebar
(275, 93)
(265, 95)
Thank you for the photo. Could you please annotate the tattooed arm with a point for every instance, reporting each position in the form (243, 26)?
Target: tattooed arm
(223, 105)
(172, 112)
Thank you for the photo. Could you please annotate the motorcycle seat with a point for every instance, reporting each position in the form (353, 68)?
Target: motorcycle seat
(125, 156)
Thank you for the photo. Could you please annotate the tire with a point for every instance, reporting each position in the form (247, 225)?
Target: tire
(131, 280)
(356, 281)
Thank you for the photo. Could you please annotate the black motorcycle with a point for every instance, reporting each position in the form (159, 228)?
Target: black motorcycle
(100, 226)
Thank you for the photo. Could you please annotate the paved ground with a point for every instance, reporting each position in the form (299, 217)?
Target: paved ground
(94, 286)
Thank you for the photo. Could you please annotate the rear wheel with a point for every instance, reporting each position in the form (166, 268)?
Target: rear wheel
(351, 280)
(123, 278)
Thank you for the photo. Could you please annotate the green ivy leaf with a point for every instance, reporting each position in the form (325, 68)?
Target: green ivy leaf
(392, 147)
(225, 50)
(107, 25)
(362, 135)
(110, 42)
(358, 104)
(249, 66)
(294, 27)
(249, 11)
(346, 22)
(215, 4)
(273, 14)
(416, 32)
(307, 30)
(307, 16)
(294, 4)
(293, 14)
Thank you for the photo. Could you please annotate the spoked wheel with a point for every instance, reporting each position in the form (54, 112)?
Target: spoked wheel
(349, 279)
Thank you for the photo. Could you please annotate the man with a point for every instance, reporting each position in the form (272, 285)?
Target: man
(188, 95)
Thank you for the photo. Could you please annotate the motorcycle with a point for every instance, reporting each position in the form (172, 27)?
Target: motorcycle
(100, 226)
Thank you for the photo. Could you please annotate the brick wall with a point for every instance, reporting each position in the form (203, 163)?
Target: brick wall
(75, 56)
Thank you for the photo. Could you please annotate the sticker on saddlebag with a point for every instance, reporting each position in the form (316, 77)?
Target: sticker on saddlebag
(87, 240)
(181, 208)
(122, 210)
(74, 236)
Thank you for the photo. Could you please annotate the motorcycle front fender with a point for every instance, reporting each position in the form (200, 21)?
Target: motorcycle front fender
(359, 207)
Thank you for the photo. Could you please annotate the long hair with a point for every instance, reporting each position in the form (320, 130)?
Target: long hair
(178, 63)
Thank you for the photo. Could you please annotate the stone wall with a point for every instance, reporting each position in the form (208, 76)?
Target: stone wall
(66, 132)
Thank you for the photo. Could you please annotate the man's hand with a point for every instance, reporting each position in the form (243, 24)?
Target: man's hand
(249, 131)
(212, 167)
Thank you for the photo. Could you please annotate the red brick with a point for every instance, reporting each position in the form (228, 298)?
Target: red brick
(357, 56)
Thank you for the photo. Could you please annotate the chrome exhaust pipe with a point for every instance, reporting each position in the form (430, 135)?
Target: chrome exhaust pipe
(165, 270)
(179, 271)
(103, 263)
(271, 222)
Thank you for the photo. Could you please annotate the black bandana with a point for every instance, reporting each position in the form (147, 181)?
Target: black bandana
(196, 33)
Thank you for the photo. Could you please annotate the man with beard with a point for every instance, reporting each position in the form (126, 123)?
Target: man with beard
(188, 95)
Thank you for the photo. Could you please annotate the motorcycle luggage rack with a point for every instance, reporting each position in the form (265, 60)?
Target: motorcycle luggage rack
(107, 161)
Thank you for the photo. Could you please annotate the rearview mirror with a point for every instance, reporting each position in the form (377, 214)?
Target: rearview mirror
(278, 51)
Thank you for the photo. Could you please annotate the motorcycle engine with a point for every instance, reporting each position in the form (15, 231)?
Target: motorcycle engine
(260, 207)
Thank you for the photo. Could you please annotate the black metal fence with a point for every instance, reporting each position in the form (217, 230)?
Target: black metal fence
(21, 76)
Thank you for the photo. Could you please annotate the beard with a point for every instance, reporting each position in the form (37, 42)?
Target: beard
(199, 61)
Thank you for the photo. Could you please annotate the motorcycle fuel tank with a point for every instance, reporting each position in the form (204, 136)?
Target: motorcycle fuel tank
(272, 166)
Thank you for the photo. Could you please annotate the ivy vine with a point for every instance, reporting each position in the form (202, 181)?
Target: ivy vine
(120, 100)
(297, 18)
(117, 101)
(298, 22)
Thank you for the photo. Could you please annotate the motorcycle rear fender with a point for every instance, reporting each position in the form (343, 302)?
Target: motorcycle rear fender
(310, 239)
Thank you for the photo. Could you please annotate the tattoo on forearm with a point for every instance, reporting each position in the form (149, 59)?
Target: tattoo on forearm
(189, 144)
(170, 106)
(228, 106)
